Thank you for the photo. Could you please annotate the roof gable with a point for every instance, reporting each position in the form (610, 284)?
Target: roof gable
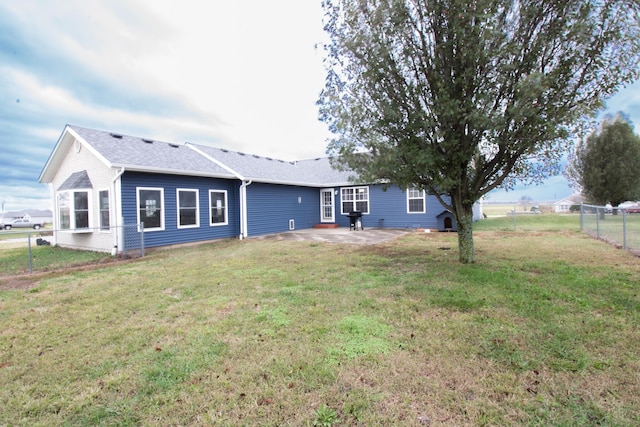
(575, 199)
(316, 172)
(146, 155)
(143, 154)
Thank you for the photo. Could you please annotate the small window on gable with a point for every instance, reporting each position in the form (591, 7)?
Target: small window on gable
(354, 199)
(188, 212)
(415, 201)
(151, 208)
(218, 207)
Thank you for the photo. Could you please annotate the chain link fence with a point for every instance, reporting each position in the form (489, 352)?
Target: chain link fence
(26, 251)
(613, 225)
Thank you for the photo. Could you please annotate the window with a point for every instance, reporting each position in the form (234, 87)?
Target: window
(415, 201)
(103, 206)
(73, 210)
(64, 210)
(355, 199)
(218, 207)
(150, 208)
(188, 213)
(81, 208)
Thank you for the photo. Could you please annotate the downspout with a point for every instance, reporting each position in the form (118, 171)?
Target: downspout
(117, 244)
(243, 209)
(55, 217)
(243, 188)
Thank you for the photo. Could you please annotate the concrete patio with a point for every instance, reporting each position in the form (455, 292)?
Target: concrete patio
(368, 236)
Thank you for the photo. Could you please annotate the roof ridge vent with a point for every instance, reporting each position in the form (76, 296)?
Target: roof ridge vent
(224, 150)
(242, 154)
(256, 156)
(116, 135)
(174, 145)
(148, 141)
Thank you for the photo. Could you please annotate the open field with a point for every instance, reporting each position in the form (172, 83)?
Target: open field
(542, 330)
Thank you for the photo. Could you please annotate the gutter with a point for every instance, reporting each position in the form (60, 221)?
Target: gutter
(243, 189)
(118, 238)
(243, 209)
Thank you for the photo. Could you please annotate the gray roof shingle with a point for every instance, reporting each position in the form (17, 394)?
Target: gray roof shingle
(142, 154)
(76, 180)
(316, 172)
(148, 155)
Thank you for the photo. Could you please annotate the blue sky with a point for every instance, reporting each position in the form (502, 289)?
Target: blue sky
(239, 75)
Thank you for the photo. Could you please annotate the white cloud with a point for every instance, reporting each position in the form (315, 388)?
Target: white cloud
(240, 75)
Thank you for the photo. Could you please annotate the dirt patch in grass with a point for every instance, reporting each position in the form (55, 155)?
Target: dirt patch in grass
(31, 280)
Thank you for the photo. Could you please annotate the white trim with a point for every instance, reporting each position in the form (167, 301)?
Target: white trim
(72, 210)
(322, 205)
(423, 197)
(162, 207)
(354, 201)
(225, 207)
(214, 160)
(108, 229)
(190, 190)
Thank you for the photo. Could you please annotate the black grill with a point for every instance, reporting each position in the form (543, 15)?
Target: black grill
(355, 220)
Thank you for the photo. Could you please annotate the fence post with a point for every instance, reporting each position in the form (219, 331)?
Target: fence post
(581, 216)
(30, 254)
(624, 229)
(515, 226)
(598, 222)
(142, 238)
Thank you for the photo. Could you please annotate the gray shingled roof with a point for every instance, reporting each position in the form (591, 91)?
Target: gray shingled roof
(316, 172)
(76, 180)
(141, 154)
(135, 153)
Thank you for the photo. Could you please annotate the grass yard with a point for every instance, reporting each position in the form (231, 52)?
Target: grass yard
(15, 260)
(542, 330)
(612, 228)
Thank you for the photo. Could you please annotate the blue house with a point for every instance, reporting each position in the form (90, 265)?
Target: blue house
(101, 181)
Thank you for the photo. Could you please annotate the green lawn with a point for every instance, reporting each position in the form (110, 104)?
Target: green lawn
(542, 330)
(15, 260)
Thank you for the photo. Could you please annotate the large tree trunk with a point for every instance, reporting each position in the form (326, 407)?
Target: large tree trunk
(463, 213)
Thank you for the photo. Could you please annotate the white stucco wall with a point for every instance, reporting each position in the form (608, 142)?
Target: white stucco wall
(80, 158)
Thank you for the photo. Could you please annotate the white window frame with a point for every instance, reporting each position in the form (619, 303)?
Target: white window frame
(104, 228)
(355, 200)
(225, 207)
(72, 210)
(415, 194)
(161, 209)
(197, 207)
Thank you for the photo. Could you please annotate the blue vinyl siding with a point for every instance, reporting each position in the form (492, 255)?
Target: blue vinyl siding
(388, 209)
(172, 234)
(271, 206)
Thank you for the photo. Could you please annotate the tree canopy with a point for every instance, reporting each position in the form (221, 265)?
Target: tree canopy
(606, 165)
(459, 97)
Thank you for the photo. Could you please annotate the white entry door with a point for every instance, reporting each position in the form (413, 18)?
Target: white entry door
(327, 210)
